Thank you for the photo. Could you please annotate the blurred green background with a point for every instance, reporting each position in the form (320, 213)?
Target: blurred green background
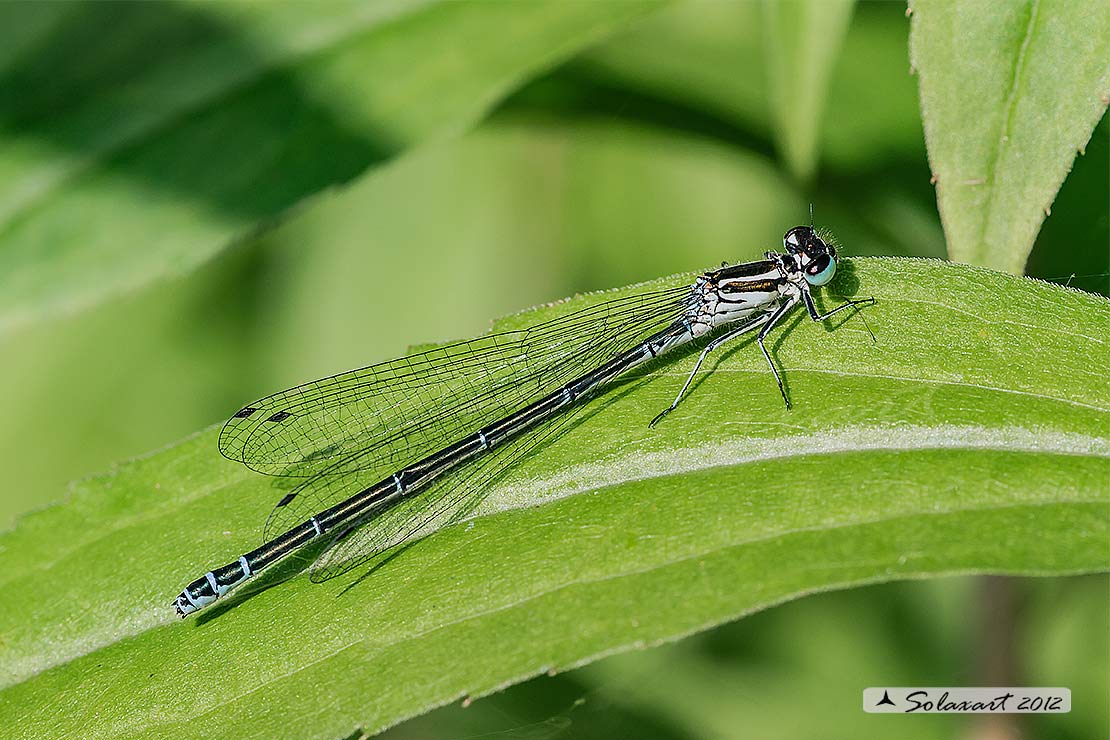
(130, 133)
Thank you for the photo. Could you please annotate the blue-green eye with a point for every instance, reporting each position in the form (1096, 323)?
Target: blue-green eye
(821, 270)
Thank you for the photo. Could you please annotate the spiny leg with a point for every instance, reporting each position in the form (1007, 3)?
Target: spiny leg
(776, 317)
(742, 329)
(812, 309)
(807, 299)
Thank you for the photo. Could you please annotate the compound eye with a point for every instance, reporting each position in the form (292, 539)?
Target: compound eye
(821, 270)
(796, 238)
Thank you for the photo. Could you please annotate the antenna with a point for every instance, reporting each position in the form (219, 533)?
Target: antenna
(811, 214)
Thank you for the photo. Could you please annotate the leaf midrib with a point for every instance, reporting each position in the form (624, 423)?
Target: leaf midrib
(1004, 128)
(786, 447)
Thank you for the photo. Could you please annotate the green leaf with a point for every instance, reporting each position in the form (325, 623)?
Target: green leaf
(802, 41)
(873, 119)
(185, 126)
(971, 436)
(1009, 92)
(712, 60)
(717, 64)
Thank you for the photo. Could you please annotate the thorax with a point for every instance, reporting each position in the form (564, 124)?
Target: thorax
(735, 292)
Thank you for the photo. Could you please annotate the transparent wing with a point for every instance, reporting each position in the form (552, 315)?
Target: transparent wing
(445, 502)
(383, 416)
(557, 359)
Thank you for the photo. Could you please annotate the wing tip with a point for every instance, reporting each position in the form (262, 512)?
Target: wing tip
(230, 442)
(234, 435)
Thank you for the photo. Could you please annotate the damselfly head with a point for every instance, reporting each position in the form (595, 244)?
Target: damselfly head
(816, 258)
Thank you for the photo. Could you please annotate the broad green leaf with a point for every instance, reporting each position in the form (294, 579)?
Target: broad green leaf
(1010, 92)
(971, 436)
(183, 126)
(802, 39)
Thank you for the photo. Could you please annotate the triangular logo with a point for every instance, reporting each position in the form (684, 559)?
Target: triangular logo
(885, 700)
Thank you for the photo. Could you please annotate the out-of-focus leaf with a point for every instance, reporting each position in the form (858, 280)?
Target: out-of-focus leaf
(874, 188)
(513, 213)
(703, 54)
(1071, 248)
(872, 121)
(518, 211)
(802, 41)
(714, 63)
(141, 139)
(1009, 92)
(970, 437)
(744, 679)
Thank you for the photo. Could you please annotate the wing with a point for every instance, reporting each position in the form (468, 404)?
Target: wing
(589, 344)
(381, 417)
(445, 502)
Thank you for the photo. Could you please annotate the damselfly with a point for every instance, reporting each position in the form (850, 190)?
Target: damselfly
(396, 449)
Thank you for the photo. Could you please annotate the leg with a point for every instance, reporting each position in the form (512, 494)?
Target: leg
(742, 329)
(812, 309)
(776, 317)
